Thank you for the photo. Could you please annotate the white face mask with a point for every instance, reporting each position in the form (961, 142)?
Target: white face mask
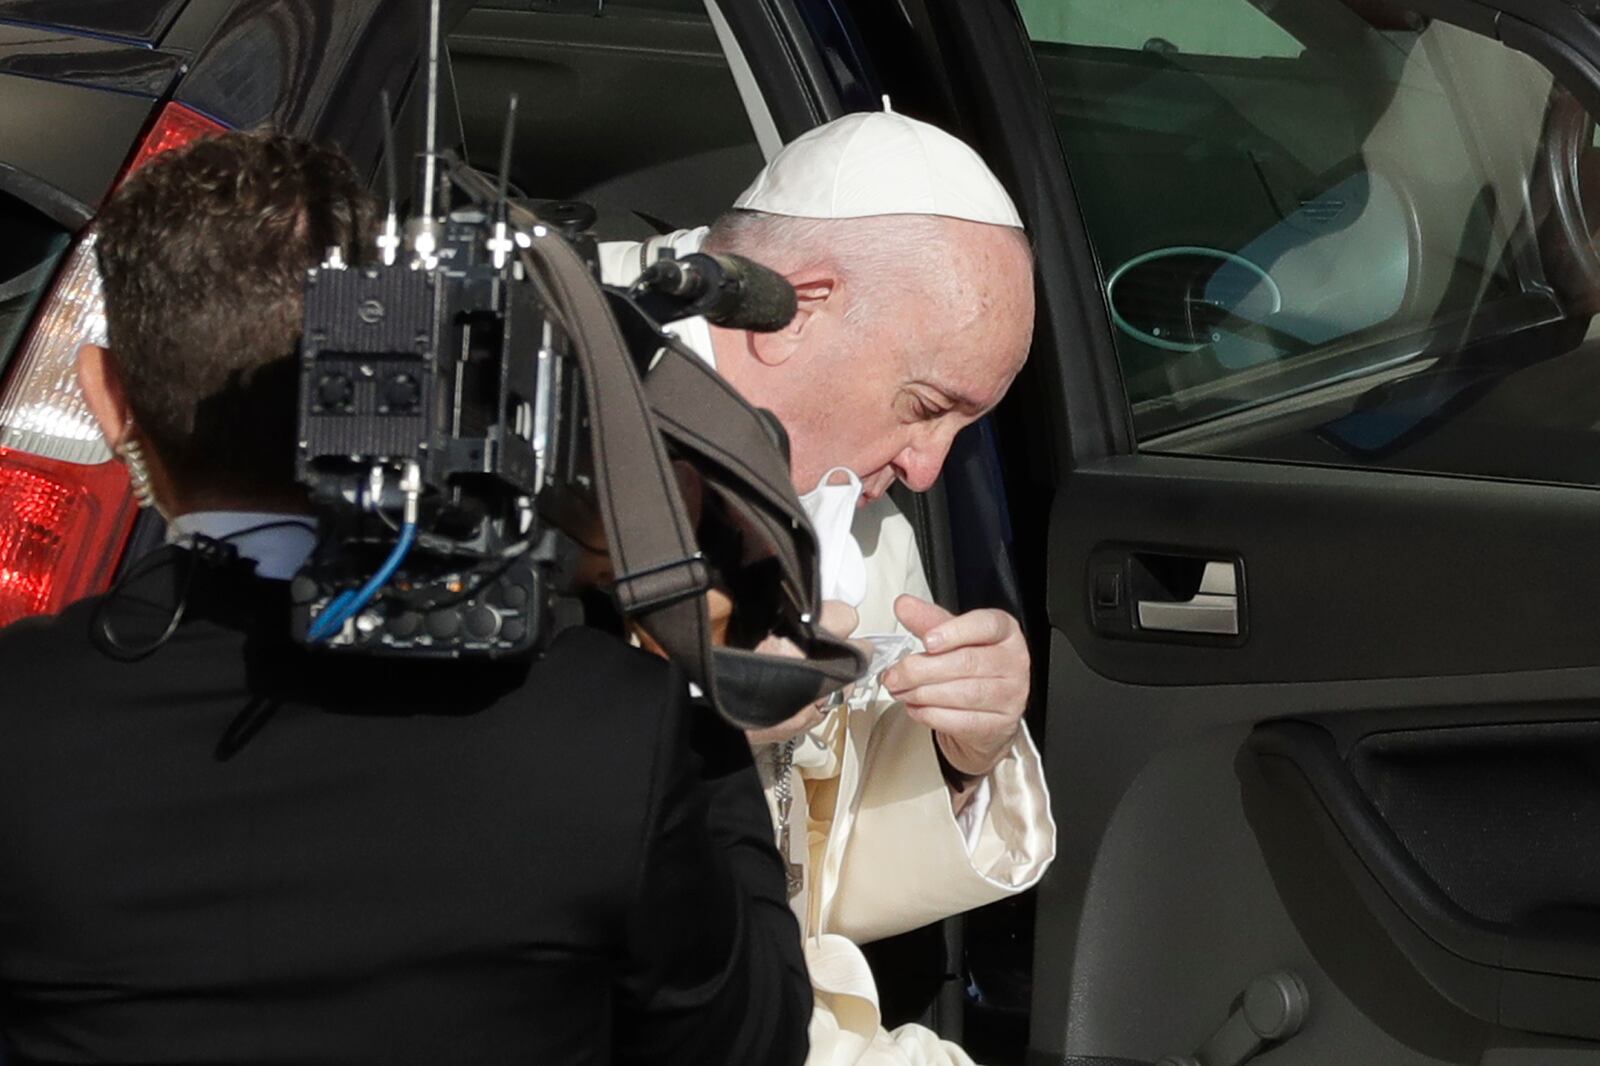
(832, 510)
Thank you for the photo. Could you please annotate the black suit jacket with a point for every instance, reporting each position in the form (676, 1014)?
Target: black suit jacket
(237, 851)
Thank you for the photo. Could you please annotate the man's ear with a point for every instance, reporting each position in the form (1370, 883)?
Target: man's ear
(103, 393)
(814, 295)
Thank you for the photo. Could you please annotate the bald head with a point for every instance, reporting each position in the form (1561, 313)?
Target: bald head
(910, 327)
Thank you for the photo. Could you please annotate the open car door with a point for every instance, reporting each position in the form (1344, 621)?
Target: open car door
(1302, 477)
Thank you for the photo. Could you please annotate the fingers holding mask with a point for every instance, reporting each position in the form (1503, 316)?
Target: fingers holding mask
(971, 684)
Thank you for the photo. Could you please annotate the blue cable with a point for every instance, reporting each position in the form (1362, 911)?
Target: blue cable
(317, 631)
(347, 604)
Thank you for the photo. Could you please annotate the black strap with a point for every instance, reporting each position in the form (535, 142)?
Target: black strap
(661, 576)
(700, 412)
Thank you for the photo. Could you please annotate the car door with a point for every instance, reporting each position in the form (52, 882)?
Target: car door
(1301, 480)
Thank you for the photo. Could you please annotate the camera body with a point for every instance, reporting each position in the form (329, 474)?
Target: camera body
(437, 395)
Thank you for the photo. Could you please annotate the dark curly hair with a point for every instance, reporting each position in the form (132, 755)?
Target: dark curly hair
(204, 253)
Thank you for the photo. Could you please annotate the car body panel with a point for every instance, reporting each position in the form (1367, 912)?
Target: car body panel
(36, 52)
(80, 159)
(310, 68)
(138, 21)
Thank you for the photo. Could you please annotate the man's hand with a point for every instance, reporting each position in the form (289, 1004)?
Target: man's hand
(970, 686)
(837, 618)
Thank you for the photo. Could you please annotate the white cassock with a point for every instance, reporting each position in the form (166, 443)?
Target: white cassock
(870, 818)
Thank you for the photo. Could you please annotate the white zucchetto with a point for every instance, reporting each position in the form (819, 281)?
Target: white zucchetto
(879, 163)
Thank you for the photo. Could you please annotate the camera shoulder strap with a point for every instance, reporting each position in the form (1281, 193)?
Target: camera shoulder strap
(661, 575)
(739, 458)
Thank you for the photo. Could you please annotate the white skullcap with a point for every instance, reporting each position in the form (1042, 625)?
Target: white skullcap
(879, 163)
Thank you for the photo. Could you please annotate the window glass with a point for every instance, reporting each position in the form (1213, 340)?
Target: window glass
(1194, 27)
(635, 110)
(1374, 248)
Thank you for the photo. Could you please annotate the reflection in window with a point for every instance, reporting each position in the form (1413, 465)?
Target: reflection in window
(1394, 196)
(1195, 27)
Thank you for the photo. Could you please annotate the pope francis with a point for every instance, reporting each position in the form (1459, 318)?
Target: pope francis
(921, 795)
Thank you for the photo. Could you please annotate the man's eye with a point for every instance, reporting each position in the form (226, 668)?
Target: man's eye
(915, 408)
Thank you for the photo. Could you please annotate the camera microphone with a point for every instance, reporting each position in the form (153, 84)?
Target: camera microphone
(729, 290)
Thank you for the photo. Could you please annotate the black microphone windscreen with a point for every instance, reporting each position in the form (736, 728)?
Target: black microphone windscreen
(766, 300)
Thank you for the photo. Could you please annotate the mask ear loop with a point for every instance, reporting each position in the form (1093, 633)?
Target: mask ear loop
(839, 477)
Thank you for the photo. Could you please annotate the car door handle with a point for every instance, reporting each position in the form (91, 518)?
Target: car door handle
(1214, 609)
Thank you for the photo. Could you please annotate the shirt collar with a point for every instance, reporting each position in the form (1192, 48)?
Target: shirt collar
(278, 544)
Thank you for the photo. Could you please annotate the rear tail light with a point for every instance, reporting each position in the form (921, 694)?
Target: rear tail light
(175, 127)
(65, 506)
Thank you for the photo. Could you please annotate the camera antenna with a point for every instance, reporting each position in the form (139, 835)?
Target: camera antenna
(500, 245)
(389, 239)
(425, 229)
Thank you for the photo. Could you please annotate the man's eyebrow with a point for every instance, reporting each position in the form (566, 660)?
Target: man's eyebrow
(969, 404)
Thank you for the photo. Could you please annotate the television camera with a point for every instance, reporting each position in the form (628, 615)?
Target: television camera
(480, 423)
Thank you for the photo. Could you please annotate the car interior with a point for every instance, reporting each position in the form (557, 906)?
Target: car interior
(632, 111)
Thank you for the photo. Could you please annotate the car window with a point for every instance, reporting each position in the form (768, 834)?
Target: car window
(1377, 250)
(33, 245)
(1192, 27)
(630, 108)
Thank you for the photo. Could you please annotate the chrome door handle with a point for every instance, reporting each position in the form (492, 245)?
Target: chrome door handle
(1214, 610)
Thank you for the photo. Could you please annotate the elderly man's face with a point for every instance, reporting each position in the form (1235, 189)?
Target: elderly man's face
(885, 390)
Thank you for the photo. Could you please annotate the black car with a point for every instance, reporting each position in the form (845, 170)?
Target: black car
(1295, 497)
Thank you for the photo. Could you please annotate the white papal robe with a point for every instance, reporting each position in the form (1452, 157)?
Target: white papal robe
(883, 850)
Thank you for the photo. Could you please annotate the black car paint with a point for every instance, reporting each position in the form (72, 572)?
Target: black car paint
(50, 55)
(79, 160)
(79, 95)
(136, 21)
(307, 67)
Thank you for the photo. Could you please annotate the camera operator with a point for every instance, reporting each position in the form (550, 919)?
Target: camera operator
(216, 846)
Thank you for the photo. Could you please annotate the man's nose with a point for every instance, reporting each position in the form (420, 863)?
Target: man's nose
(919, 465)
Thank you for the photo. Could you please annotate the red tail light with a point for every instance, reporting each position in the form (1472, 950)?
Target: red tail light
(63, 527)
(65, 506)
(175, 127)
